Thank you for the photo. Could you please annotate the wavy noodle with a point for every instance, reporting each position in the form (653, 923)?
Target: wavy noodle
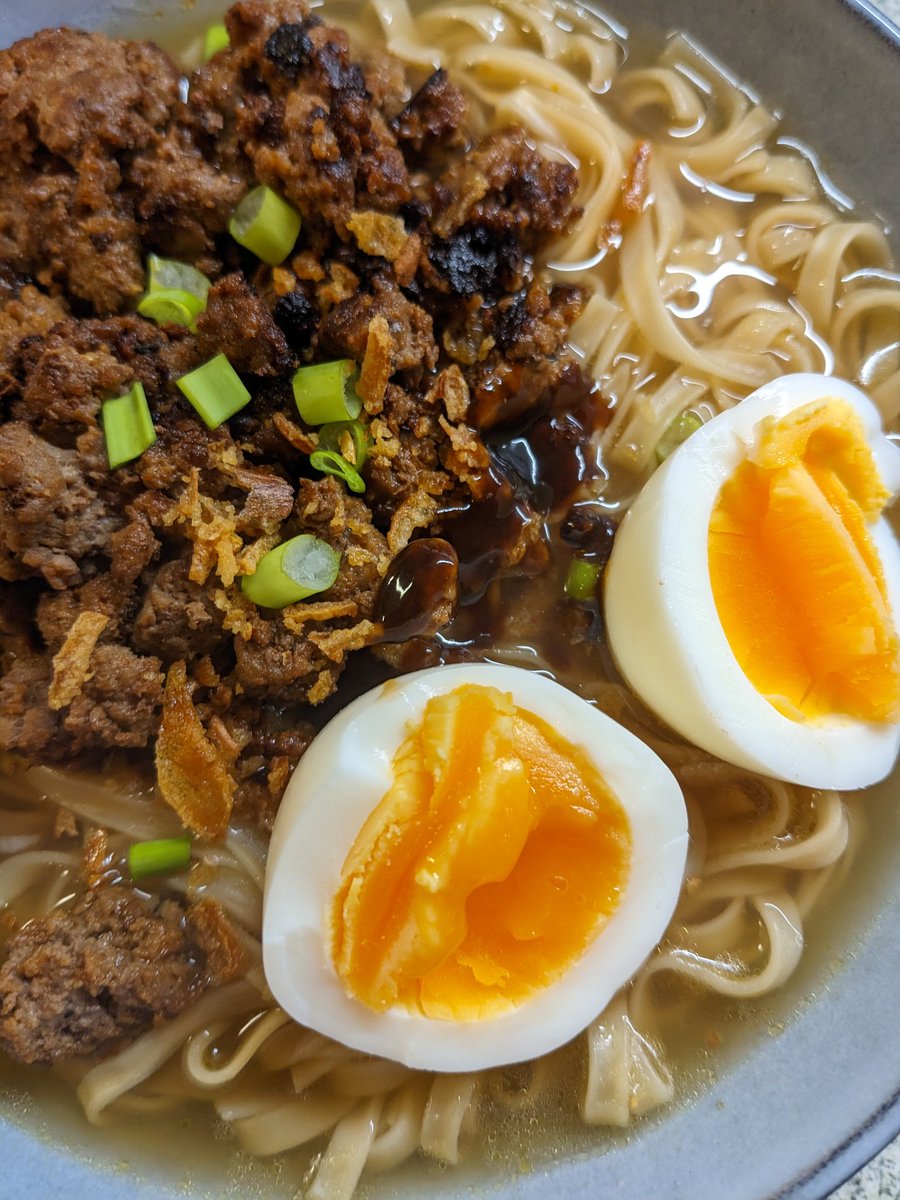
(739, 268)
(626, 1073)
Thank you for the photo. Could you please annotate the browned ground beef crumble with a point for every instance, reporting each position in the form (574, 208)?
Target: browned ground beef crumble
(415, 259)
(77, 980)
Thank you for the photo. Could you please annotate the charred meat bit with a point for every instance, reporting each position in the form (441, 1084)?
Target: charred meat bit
(297, 318)
(474, 260)
(289, 48)
(590, 532)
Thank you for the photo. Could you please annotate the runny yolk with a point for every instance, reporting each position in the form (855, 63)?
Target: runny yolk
(495, 857)
(796, 577)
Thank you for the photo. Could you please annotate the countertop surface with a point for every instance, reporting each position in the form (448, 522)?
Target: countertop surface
(880, 1180)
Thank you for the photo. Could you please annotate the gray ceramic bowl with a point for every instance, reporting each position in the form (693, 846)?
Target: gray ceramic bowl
(794, 1114)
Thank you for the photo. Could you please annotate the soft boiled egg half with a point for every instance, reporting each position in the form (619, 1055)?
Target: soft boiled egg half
(467, 864)
(753, 593)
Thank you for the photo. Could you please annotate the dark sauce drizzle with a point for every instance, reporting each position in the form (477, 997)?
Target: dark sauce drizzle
(500, 564)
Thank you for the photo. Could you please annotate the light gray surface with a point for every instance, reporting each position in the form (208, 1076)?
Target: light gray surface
(880, 1179)
(840, 1060)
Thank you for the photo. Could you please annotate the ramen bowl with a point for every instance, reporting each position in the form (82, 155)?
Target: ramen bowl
(805, 1091)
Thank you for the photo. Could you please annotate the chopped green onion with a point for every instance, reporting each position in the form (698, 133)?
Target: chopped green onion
(582, 579)
(677, 432)
(266, 225)
(292, 571)
(331, 437)
(170, 306)
(329, 462)
(127, 426)
(176, 292)
(325, 392)
(216, 39)
(215, 390)
(168, 274)
(159, 857)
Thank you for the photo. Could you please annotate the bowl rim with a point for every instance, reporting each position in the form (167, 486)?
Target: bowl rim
(879, 21)
(869, 1139)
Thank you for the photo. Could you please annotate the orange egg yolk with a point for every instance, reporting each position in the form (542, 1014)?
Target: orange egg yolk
(493, 860)
(796, 577)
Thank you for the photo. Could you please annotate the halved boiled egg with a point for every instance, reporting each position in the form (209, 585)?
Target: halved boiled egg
(467, 864)
(753, 593)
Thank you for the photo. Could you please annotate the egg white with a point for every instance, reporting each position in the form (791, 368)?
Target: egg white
(664, 629)
(343, 776)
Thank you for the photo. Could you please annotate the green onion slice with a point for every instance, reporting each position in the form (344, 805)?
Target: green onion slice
(677, 432)
(329, 462)
(215, 390)
(325, 392)
(159, 857)
(216, 39)
(127, 426)
(171, 306)
(331, 437)
(582, 580)
(265, 225)
(168, 274)
(292, 571)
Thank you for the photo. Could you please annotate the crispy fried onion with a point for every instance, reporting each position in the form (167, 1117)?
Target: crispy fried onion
(632, 197)
(190, 770)
(218, 529)
(451, 389)
(336, 644)
(225, 957)
(71, 663)
(415, 512)
(379, 234)
(377, 366)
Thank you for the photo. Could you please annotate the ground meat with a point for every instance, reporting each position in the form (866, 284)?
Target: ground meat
(436, 114)
(535, 323)
(183, 200)
(28, 313)
(132, 547)
(345, 330)
(414, 259)
(27, 724)
(312, 133)
(120, 702)
(63, 90)
(177, 619)
(81, 979)
(505, 185)
(50, 517)
(57, 611)
(476, 260)
(81, 362)
(237, 324)
(386, 82)
(274, 661)
(70, 104)
(409, 457)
